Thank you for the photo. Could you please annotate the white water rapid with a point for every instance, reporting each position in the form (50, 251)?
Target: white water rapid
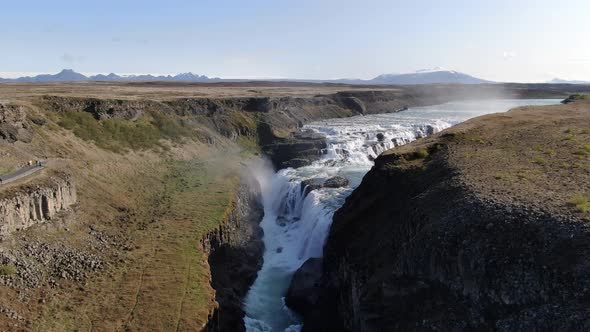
(296, 226)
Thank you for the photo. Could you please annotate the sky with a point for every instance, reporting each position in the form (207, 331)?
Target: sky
(501, 40)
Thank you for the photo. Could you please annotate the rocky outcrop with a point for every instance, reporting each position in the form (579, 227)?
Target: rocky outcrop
(336, 182)
(100, 109)
(575, 97)
(317, 183)
(35, 203)
(354, 104)
(304, 291)
(13, 124)
(432, 241)
(300, 149)
(235, 255)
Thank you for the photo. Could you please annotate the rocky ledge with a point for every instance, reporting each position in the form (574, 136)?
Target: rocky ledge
(317, 183)
(482, 227)
(297, 150)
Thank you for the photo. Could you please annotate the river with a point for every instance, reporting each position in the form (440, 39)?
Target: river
(296, 225)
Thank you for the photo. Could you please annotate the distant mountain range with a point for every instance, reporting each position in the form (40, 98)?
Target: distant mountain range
(68, 75)
(560, 81)
(425, 76)
(428, 76)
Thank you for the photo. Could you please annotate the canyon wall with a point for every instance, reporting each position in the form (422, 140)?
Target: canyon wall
(235, 251)
(36, 202)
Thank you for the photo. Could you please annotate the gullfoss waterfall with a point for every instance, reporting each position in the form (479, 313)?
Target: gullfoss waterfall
(297, 219)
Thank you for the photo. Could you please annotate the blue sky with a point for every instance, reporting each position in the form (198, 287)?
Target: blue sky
(517, 40)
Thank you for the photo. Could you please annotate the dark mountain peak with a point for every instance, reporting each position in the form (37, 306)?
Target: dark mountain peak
(69, 75)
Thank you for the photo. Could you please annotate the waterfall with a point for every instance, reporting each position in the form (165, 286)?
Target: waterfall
(296, 224)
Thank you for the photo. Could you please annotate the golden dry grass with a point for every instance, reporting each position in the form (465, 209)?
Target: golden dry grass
(165, 91)
(533, 155)
(159, 202)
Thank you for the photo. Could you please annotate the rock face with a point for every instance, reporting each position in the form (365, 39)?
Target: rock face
(300, 149)
(35, 203)
(13, 124)
(235, 255)
(420, 245)
(304, 291)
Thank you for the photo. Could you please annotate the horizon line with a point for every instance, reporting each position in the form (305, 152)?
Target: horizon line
(22, 74)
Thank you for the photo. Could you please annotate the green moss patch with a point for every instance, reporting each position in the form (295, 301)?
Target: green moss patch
(119, 135)
(584, 150)
(7, 270)
(580, 202)
(419, 154)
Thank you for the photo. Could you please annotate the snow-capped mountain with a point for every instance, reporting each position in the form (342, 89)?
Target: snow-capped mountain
(428, 76)
(560, 81)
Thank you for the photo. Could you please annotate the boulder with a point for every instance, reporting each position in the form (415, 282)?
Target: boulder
(310, 184)
(303, 293)
(317, 183)
(336, 182)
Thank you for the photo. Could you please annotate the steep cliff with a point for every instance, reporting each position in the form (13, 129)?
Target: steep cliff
(481, 227)
(269, 121)
(235, 251)
(35, 202)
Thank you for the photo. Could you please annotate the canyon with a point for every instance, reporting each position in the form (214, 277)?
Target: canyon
(160, 204)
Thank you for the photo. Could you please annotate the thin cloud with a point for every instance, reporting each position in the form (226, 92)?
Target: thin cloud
(69, 58)
(508, 55)
(580, 60)
(141, 41)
